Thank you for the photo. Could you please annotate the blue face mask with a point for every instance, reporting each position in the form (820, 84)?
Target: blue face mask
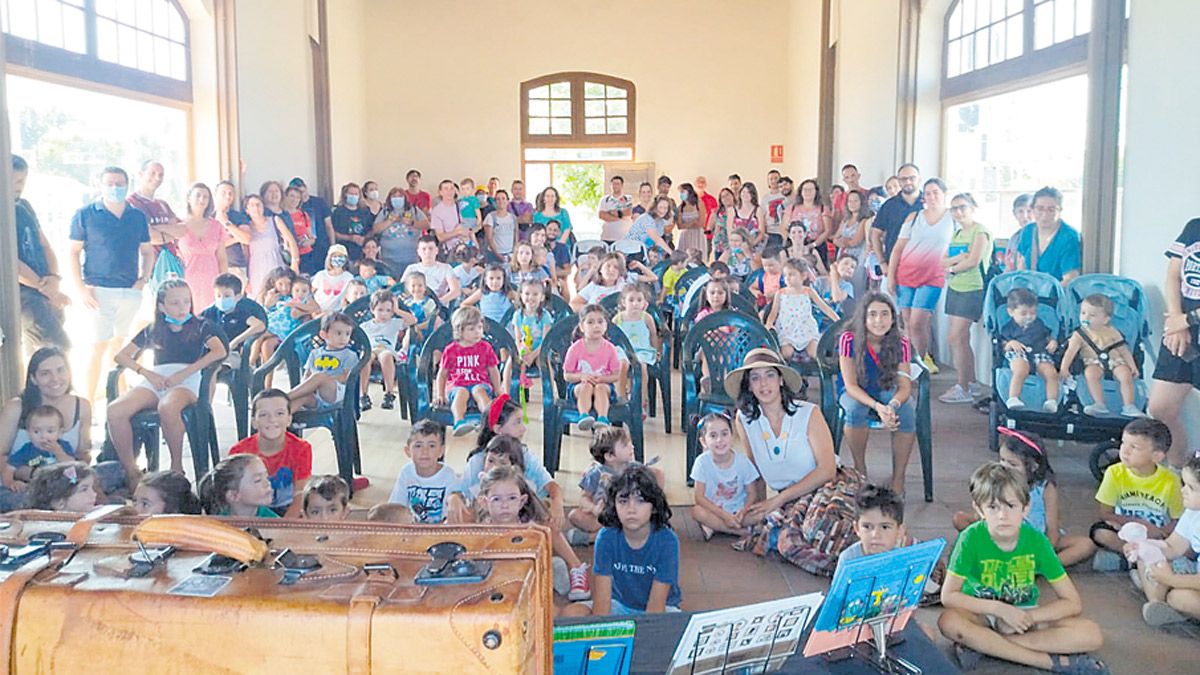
(1086, 323)
(225, 304)
(397, 202)
(351, 200)
(876, 203)
(338, 261)
(115, 193)
(176, 322)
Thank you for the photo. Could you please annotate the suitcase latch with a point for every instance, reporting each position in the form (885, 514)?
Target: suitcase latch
(295, 566)
(447, 568)
(146, 559)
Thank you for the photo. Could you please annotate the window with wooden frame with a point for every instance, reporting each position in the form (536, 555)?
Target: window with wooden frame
(573, 109)
(991, 44)
(140, 45)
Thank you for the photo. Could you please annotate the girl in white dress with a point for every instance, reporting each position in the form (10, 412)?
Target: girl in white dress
(792, 311)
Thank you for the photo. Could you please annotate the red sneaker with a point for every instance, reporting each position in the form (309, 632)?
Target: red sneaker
(360, 483)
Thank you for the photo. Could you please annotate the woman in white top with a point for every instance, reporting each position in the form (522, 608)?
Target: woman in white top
(915, 271)
(48, 382)
(793, 450)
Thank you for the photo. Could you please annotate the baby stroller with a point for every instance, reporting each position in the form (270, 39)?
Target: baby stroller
(1131, 321)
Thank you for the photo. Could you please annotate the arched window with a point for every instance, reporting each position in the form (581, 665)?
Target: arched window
(577, 109)
(140, 45)
(991, 43)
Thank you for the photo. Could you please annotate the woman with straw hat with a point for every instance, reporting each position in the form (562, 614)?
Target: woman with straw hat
(810, 518)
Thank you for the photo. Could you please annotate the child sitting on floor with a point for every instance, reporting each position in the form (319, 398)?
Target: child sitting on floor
(879, 526)
(1173, 596)
(469, 370)
(1104, 350)
(424, 483)
(326, 497)
(991, 595)
(67, 486)
(1137, 489)
(288, 457)
(165, 492)
(1025, 454)
(726, 481)
(238, 486)
(612, 449)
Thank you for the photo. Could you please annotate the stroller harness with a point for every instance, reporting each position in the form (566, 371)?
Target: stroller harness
(1101, 354)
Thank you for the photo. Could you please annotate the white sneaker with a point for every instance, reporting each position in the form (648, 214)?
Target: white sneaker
(1050, 406)
(561, 576)
(1161, 614)
(1014, 403)
(1132, 411)
(956, 394)
(1135, 576)
(977, 390)
(1096, 410)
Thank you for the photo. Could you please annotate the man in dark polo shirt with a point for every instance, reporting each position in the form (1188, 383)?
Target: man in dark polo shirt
(109, 239)
(158, 213)
(322, 224)
(886, 228)
(37, 271)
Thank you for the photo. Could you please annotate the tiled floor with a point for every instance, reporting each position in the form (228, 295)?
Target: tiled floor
(713, 575)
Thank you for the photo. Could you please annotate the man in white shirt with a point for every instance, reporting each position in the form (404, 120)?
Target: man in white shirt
(616, 210)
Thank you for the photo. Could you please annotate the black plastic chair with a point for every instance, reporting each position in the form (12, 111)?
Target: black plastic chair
(830, 368)
(427, 368)
(659, 372)
(198, 422)
(558, 402)
(342, 420)
(237, 380)
(724, 339)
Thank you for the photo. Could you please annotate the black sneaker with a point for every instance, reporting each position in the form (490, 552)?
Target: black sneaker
(389, 402)
(364, 402)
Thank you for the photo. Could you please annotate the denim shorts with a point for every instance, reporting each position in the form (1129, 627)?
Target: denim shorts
(858, 416)
(453, 391)
(920, 297)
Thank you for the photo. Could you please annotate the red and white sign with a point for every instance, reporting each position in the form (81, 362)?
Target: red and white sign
(777, 154)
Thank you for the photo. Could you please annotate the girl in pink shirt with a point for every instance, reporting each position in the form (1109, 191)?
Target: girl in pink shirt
(469, 370)
(592, 367)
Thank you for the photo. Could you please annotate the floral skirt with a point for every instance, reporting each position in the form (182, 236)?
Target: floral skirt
(812, 531)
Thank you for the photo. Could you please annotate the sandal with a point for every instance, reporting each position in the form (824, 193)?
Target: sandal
(1077, 664)
(968, 659)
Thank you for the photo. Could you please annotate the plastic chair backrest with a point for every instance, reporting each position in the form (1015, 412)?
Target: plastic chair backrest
(724, 338)
(1128, 298)
(559, 339)
(628, 247)
(1050, 295)
(688, 278)
(359, 310)
(827, 346)
(585, 245)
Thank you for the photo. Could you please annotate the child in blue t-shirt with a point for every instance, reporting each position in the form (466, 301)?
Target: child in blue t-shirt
(45, 425)
(636, 564)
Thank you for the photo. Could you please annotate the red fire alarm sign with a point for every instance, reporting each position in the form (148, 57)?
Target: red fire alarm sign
(776, 154)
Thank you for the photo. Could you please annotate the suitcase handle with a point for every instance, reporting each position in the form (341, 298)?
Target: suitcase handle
(199, 533)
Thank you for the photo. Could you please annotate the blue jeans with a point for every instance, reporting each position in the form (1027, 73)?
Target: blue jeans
(858, 415)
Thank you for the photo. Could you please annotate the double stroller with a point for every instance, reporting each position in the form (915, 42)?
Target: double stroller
(1058, 308)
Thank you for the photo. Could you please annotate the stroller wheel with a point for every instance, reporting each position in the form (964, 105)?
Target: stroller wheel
(1103, 456)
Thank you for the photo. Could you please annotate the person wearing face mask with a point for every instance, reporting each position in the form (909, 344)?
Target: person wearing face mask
(352, 220)
(110, 262)
(690, 219)
(398, 226)
(235, 314)
(370, 197)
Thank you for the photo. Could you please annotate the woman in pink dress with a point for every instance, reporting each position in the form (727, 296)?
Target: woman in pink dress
(202, 246)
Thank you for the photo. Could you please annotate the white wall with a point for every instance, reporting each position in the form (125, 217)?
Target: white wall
(348, 68)
(804, 76)
(275, 101)
(1162, 147)
(865, 131)
(712, 80)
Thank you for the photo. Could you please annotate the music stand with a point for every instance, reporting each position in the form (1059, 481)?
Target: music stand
(756, 638)
(870, 599)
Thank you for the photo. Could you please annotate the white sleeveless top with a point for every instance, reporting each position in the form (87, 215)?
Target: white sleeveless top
(785, 459)
(70, 435)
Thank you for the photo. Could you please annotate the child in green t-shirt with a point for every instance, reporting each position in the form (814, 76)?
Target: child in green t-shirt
(991, 593)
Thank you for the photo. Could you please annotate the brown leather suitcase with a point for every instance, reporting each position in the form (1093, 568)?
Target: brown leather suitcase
(89, 596)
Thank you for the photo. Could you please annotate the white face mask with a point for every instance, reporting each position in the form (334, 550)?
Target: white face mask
(373, 194)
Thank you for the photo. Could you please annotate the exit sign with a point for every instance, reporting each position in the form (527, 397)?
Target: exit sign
(776, 154)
